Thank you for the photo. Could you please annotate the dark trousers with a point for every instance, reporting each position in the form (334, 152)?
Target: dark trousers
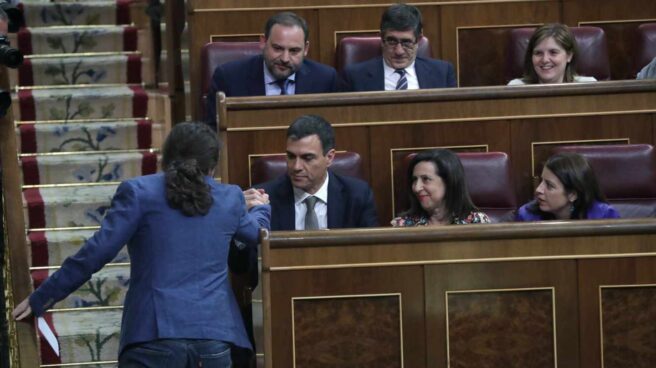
(176, 353)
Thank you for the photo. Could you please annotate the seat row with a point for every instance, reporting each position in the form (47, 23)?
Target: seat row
(626, 174)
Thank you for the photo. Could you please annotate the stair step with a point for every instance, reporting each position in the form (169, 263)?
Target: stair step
(72, 103)
(106, 288)
(84, 336)
(73, 69)
(51, 248)
(88, 136)
(87, 167)
(72, 40)
(76, 13)
(64, 207)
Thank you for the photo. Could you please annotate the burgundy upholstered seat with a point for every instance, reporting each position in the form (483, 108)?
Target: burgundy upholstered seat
(592, 56)
(214, 54)
(488, 178)
(351, 50)
(626, 174)
(268, 168)
(645, 45)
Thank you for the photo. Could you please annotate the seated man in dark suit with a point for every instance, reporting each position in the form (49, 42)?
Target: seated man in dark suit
(399, 68)
(311, 196)
(282, 69)
(308, 197)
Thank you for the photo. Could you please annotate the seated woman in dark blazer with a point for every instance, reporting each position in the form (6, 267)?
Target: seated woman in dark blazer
(568, 190)
(551, 57)
(179, 309)
(438, 194)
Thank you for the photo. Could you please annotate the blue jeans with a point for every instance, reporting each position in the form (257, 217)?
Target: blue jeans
(176, 353)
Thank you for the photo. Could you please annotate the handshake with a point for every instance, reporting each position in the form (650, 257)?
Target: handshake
(255, 197)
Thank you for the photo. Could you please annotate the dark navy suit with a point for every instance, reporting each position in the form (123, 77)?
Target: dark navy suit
(369, 75)
(179, 285)
(350, 203)
(245, 77)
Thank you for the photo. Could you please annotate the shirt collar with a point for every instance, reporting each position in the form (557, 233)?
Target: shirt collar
(388, 70)
(269, 78)
(322, 193)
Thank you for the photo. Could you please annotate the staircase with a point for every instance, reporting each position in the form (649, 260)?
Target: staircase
(84, 123)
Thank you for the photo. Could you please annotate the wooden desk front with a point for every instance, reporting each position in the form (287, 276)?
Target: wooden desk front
(525, 122)
(504, 295)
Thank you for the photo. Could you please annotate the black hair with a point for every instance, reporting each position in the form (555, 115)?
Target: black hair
(307, 125)
(577, 176)
(401, 17)
(457, 202)
(288, 19)
(190, 153)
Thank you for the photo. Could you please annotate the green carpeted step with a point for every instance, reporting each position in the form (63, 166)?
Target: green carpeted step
(106, 288)
(86, 167)
(71, 40)
(84, 336)
(50, 248)
(82, 103)
(73, 69)
(48, 14)
(67, 206)
(85, 136)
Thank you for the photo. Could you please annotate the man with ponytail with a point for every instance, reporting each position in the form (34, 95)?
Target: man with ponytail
(180, 310)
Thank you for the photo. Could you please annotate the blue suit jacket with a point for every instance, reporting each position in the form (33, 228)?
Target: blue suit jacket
(369, 75)
(350, 203)
(179, 285)
(245, 77)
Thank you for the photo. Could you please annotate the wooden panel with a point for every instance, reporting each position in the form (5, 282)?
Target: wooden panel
(621, 36)
(626, 314)
(488, 14)
(441, 279)
(501, 328)
(348, 331)
(483, 66)
(597, 10)
(533, 140)
(616, 276)
(406, 281)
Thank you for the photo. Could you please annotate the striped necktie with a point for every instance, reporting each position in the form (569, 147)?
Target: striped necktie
(403, 81)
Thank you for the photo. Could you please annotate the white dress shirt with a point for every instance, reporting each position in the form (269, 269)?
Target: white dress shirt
(320, 208)
(392, 77)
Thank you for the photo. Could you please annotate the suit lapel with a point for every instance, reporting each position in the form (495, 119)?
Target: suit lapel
(302, 79)
(376, 75)
(425, 78)
(287, 214)
(336, 203)
(256, 80)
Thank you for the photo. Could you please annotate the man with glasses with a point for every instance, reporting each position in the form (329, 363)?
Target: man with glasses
(399, 67)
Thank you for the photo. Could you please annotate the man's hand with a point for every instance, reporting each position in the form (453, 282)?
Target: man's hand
(22, 310)
(255, 197)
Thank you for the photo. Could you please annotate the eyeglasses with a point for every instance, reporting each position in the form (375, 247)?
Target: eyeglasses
(392, 42)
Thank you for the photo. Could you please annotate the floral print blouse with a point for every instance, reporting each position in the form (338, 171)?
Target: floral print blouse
(410, 221)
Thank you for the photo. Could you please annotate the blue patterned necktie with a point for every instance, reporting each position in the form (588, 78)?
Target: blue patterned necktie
(282, 83)
(403, 81)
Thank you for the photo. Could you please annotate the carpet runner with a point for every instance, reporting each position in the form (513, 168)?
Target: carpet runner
(82, 127)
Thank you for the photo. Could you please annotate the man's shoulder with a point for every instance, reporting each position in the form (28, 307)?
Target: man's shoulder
(434, 63)
(315, 66)
(244, 64)
(353, 184)
(274, 185)
(364, 65)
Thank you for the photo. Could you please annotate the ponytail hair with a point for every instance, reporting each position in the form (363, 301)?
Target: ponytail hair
(190, 153)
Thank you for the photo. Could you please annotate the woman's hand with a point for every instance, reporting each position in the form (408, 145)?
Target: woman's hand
(22, 310)
(255, 197)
